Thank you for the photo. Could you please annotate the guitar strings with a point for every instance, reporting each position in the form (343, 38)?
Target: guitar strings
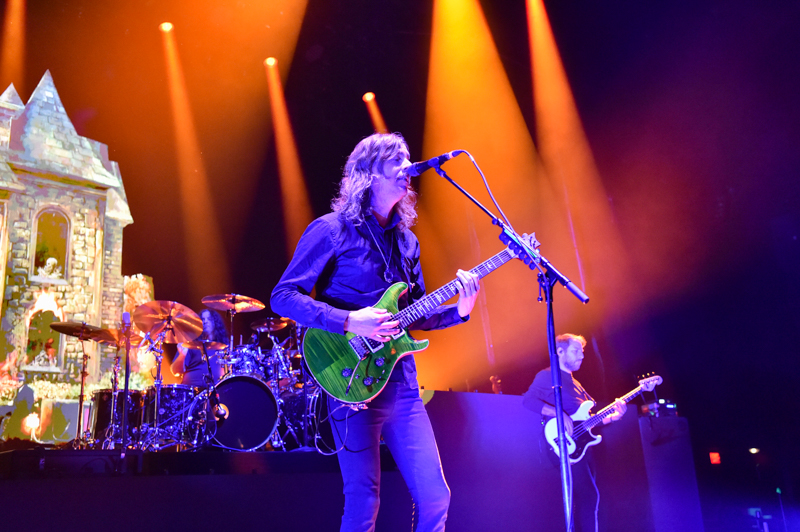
(581, 429)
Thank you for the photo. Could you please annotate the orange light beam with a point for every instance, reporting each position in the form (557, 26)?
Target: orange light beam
(12, 57)
(205, 253)
(568, 159)
(375, 113)
(296, 204)
(470, 105)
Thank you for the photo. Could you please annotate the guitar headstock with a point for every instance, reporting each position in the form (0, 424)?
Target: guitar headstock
(516, 249)
(648, 384)
(530, 240)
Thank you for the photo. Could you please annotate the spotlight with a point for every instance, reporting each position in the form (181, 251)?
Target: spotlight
(270, 61)
(32, 421)
(715, 458)
(368, 97)
(754, 450)
(166, 27)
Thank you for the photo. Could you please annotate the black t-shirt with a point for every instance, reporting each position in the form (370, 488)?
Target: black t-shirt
(540, 393)
(195, 367)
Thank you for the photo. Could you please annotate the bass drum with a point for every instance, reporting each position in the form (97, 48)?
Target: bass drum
(252, 413)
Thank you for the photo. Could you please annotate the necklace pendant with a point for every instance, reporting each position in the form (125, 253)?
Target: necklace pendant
(387, 276)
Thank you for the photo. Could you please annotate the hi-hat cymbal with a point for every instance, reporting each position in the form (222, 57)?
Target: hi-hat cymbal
(180, 322)
(233, 303)
(270, 324)
(115, 338)
(210, 346)
(77, 329)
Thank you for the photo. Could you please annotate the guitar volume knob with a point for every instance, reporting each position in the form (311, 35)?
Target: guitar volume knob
(380, 361)
(346, 372)
(368, 381)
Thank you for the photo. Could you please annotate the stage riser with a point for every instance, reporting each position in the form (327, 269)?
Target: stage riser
(486, 442)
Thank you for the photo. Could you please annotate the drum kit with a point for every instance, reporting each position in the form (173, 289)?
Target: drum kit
(264, 399)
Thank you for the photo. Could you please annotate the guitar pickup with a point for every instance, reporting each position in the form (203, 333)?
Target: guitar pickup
(374, 346)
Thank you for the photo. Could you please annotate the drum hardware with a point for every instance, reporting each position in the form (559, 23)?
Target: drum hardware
(178, 322)
(170, 322)
(107, 412)
(112, 433)
(290, 385)
(82, 332)
(270, 324)
(240, 412)
(232, 304)
(218, 410)
(205, 344)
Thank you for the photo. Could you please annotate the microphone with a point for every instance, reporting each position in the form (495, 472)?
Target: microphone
(126, 319)
(221, 412)
(417, 168)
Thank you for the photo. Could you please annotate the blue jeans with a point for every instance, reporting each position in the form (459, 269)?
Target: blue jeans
(399, 415)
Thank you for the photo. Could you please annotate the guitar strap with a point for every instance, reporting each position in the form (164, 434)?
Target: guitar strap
(405, 262)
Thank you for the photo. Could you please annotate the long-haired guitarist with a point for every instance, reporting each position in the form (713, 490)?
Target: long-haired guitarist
(351, 256)
(540, 399)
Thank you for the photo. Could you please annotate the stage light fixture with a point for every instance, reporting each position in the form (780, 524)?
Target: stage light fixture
(368, 97)
(754, 450)
(715, 458)
(297, 210)
(165, 27)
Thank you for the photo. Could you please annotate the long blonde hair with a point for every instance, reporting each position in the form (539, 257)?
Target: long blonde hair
(355, 195)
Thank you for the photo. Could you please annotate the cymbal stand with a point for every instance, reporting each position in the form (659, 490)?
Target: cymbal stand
(158, 352)
(126, 331)
(80, 439)
(307, 413)
(275, 385)
(232, 314)
(114, 425)
(218, 410)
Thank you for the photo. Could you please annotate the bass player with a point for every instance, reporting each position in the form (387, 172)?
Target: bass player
(540, 399)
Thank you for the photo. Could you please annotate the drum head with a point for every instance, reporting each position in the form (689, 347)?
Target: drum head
(252, 413)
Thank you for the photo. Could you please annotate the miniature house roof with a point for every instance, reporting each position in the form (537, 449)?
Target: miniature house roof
(39, 138)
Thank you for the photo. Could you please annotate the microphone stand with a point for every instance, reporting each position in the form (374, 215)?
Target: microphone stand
(548, 276)
(213, 396)
(126, 329)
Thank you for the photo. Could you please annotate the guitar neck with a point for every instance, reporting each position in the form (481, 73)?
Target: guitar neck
(607, 411)
(425, 306)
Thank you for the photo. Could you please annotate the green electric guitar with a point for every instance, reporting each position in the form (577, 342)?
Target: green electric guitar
(355, 369)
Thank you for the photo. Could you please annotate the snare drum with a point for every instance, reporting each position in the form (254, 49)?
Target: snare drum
(252, 413)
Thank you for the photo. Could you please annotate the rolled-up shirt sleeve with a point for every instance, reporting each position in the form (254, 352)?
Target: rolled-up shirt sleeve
(291, 298)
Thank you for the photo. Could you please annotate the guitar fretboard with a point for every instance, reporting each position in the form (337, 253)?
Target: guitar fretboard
(607, 411)
(425, 306)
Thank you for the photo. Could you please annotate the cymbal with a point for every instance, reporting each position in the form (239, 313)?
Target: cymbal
(77, 329)
(270, 324)
(180, 322)
(233, 302)
(210, 346)
(115, 338)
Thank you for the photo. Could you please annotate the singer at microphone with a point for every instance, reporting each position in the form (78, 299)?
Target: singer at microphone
(417, 168)
(352, 256)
